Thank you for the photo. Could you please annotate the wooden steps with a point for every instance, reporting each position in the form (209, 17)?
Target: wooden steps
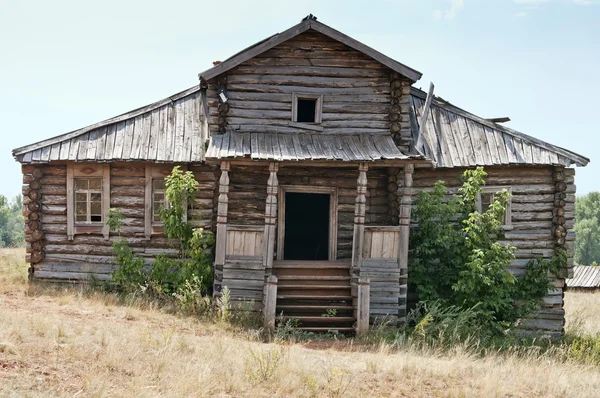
(315, 293)
(325, 330)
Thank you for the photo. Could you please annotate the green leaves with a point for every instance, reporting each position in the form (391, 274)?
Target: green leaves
(457, 258)
(12, 233)
(166, 274)
(587, 228)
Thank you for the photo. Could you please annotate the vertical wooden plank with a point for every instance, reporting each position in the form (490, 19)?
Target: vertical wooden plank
(270, 215)
(106, 199)
(148, 203)
(249, 243)
(405, 208)
(387, 249)
(395, 246)
(229, 250)
(367, 244)
(377, 244)
(238, 248)
(363, 310)
(258, 245)
(359, 216)
(221, 238)
(70, 202)
(270, 303)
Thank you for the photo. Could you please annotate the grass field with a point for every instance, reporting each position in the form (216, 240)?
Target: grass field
(72, 343)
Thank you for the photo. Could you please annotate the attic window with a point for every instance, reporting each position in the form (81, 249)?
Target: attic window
(306, 108)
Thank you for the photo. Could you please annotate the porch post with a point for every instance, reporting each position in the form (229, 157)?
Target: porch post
(405, 206)
(270, 216)
(221, 243)
(359, 216)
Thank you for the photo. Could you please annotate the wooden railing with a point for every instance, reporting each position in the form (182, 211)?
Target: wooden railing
(245, 240)
(381, 242)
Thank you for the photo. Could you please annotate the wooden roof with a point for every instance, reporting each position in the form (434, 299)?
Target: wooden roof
(165, 131)
(584, 276)
(303, 146)
(455, 138)
(308, 24)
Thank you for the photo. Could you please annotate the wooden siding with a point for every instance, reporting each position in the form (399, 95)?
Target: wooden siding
(533, 191)
(168, 132)
(90, 254)
(355, 88)
(453, 137)
(303, 146)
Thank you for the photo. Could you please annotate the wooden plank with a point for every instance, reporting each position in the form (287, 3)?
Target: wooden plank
(377, 245)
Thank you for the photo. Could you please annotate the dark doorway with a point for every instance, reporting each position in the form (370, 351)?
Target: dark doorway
(306, 226)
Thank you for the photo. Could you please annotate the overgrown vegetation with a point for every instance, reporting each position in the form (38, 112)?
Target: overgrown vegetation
(186, 276)
(12, 233)
(459, 262)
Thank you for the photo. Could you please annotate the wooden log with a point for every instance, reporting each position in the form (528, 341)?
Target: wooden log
(35, 185)
(37, 256)
(37, 173)
(33, 216)
(34, 206)
(37, 235)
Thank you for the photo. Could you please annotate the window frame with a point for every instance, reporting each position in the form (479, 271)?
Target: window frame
(87, 171)
(318, 107)
(155, 172)
(493, 190)
(88, 192)
(164, 201)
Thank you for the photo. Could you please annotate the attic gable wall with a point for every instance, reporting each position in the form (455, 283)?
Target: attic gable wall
(356, 89)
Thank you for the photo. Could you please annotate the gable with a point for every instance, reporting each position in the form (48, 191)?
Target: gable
(309, 23)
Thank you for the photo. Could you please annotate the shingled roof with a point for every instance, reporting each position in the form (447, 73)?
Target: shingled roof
(453, 137)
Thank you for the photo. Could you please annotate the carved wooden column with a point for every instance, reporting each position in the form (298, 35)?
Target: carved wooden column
(405, 193)
(221, 243)
(270, 216)
(359, 215)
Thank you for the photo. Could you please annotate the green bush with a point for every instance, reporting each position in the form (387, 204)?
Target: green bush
(189, 273)
(459, 263)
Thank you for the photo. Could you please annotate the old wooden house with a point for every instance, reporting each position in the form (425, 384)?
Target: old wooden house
(308, 148)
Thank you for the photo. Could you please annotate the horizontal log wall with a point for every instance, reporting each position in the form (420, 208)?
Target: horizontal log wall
(533, 204)
(355, 89)
(90, 254)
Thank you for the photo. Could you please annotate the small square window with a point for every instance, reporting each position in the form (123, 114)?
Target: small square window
(307, 108)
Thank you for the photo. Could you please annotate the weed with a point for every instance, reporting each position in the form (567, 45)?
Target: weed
(261, 365)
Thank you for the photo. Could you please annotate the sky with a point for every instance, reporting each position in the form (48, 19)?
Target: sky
(67, 64)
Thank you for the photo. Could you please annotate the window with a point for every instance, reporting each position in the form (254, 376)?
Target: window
(158, 199)
(155, 197)
(306, 108)
(486, 198)
(88, 200)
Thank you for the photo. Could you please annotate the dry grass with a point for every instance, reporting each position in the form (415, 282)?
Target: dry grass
(73, 344)
(583, 311)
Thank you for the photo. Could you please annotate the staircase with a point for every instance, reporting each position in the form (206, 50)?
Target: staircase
(316, 293)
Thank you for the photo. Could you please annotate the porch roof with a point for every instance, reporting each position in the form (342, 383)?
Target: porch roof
(304, 146)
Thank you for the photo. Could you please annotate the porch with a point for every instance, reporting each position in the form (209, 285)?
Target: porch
(324, 242)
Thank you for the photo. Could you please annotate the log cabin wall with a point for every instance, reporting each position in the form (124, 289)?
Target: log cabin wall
(533, 226)
(357, 91)
(91, 254)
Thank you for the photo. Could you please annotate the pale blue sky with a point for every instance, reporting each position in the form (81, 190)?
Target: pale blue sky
(68, 64)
